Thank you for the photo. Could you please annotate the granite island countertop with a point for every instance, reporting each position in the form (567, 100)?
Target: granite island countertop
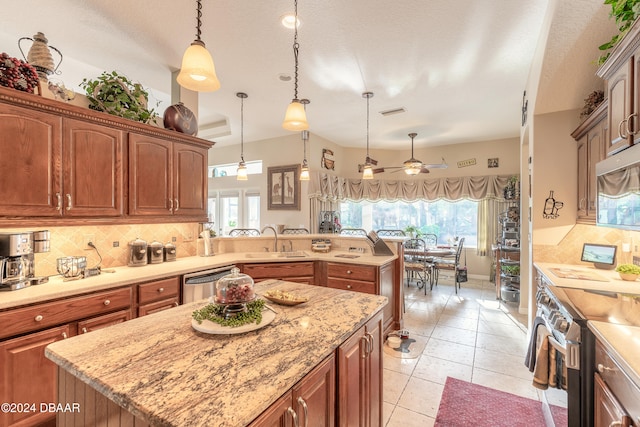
(160, 369)
(122, 276)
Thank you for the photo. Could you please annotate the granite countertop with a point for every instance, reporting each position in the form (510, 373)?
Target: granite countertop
(585, 276)
(623, 342)
(160, 369)
(57, 288)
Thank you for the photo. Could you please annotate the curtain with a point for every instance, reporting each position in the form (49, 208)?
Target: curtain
(324, 186)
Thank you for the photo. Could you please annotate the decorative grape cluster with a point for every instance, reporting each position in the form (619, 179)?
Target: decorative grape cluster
(17, 74)
(236, 293)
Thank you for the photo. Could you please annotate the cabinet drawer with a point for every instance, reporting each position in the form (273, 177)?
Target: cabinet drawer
(158, 290)
(100, 322)
(352, 285)
(157, 306)
(40, 316)
(279, 270)
(351, 271)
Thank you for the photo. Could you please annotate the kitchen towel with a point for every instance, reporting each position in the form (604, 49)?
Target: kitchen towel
(543, 369)
(530, 359)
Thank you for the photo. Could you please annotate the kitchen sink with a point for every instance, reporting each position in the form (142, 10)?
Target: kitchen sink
(263, 255)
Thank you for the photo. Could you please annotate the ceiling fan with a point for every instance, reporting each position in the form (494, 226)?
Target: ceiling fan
(412, 166)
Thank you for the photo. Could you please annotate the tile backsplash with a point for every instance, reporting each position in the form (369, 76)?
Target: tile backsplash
(111, 241)
(570, 248)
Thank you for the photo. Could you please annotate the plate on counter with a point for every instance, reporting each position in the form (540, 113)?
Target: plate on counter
(284, 298)
(209, 327)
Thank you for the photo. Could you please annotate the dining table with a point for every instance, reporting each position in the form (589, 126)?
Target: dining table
(427, 253)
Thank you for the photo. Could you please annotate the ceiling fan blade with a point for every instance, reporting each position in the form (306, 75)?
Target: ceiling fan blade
(424, 169)
(374, 170)
(442, 165)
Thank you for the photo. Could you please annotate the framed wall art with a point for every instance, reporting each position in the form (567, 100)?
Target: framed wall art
(284, 187)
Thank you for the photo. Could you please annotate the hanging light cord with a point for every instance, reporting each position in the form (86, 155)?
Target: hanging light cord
(368, 96)
(198, 20)
(242, 129)
(296, 47)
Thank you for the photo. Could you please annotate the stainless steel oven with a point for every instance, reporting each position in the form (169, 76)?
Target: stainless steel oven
(200, 285)
(572, 361)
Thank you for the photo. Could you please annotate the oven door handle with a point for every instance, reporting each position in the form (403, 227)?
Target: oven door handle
(555, 344)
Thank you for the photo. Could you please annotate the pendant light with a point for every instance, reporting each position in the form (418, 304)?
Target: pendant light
(198, 72)
(412, 166)
(295, 119)
(242, 168)
(304, 170)
(367, 170)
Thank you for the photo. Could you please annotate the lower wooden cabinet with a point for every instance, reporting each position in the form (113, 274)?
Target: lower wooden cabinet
(301, 272)
(607, 410)
(359, 362)
(28, 378)
(158, 295)
(310, 402)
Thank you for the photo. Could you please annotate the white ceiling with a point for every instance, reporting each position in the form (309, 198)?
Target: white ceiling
(458, 67)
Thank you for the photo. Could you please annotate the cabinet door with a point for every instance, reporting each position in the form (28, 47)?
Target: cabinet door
(28, 376)
(279, 414)
(100, 322)
(596, 153)
(352, 381)
(190, 180)
(583, 173)
(374, 333)
(314, 396)
(619, 109)
(150, 184)
(607, 411)
(31, 147)
(93, 169)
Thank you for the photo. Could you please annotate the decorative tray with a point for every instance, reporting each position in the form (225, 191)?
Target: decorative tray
(209, 327)
(284, 298)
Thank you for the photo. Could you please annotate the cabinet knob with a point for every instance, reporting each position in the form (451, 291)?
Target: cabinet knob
(630, 124)
(59, 205)
(602, 368)
(84, 330)
(175, 304)
(160, 290)
(177, 205)
(349, 272)
(620, 125)
(107, 302)
(170, 205)
(348, 286)
(64, 336)
(39, 318)
(69, 206)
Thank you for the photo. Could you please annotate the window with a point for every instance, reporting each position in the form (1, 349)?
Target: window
(444, 218)
(229, 209)
(231, 169)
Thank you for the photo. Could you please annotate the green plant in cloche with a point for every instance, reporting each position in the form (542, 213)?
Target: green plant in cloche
(628, 269)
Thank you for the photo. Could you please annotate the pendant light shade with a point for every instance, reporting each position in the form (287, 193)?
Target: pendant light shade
(198, 72)
(242, 167)
(367, 170)
(295, 119)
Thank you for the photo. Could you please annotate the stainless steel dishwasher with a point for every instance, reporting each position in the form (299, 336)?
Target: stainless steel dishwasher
(201, 284)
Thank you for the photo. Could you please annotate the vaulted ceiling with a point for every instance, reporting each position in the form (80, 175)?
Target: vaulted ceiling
(457, 67)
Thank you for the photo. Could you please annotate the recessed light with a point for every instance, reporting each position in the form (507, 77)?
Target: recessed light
(288, 20)
(284, 77)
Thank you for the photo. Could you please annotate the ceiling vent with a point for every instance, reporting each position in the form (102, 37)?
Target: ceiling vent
(393, 111)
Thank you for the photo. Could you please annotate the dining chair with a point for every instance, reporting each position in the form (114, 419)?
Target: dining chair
(353, 232)
(430, 239)
(390, 233)
(451, 263)
(295, 231)
(236, 232)
(415, 263)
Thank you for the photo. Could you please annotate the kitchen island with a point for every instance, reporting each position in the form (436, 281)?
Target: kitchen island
(159, 371)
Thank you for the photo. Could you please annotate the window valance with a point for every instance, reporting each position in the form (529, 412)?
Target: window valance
(325, 186)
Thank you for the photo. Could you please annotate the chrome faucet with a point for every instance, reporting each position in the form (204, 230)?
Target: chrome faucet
(275, 235)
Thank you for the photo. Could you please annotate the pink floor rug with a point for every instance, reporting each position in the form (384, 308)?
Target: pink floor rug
(467, 404)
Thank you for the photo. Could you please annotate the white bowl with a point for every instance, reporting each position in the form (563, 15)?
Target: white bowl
(394, 342)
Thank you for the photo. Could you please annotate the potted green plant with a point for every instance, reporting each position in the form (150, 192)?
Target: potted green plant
(412, 230)
(116, 94)
(625, 13)
(628, 272)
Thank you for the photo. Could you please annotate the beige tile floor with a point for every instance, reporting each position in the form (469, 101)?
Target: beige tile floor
(470, 336)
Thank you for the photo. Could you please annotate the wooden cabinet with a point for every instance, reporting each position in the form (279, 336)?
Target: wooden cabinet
(95, 323)
(607, 410)
(310, 402)
(166, 178)
(63, 163)
(28, 377)
(31, 147)
(621, 73)
(158, 295)
(301, 272)
(591, 136)
(360, 377)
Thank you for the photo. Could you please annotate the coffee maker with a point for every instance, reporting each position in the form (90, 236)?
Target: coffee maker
(17, 265)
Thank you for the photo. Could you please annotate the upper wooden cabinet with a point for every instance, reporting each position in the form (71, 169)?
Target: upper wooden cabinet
(621, 73)
(62, 161)
(591, 136)
(166, 178)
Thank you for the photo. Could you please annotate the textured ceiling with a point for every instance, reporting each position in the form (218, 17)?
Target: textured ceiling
(458, 67)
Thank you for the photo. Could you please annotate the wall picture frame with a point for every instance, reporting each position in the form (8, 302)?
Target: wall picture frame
(283, 187)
